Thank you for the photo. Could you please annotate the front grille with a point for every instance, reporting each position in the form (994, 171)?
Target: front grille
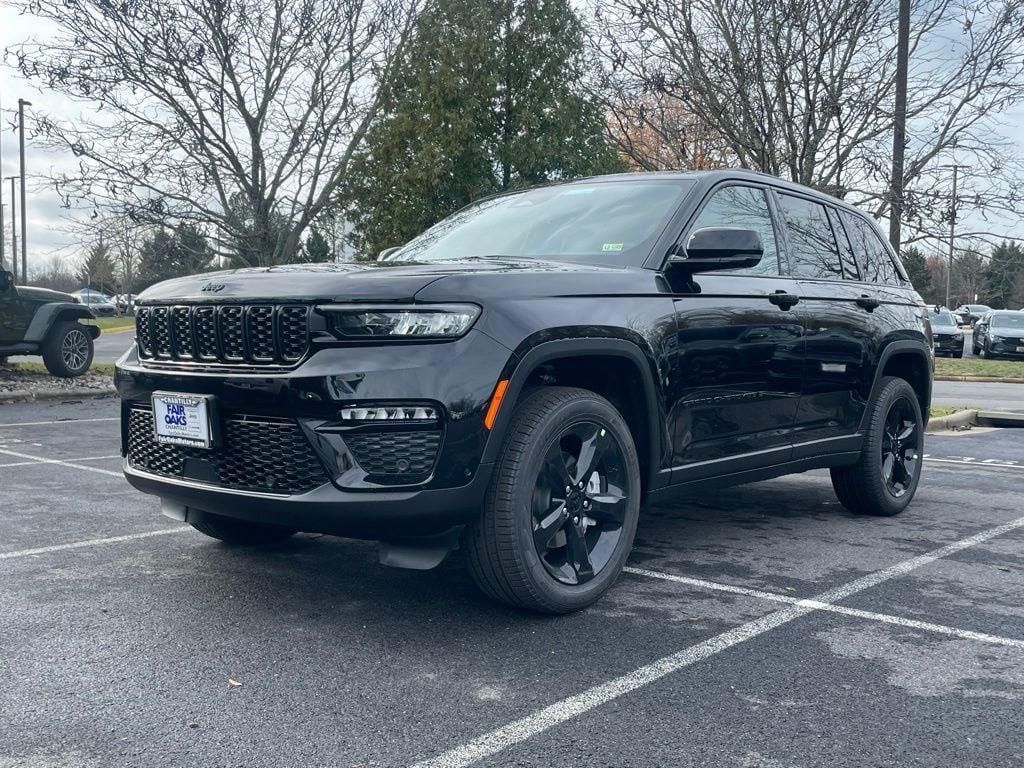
(394, 458)
(231, 334)
(257, 453)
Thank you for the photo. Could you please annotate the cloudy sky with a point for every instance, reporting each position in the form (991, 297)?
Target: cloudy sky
(47, 220)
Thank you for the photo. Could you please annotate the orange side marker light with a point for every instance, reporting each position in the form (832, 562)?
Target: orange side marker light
(492, 409)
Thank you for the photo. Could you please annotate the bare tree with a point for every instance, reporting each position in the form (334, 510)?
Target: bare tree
(804, 89)
(196, 105)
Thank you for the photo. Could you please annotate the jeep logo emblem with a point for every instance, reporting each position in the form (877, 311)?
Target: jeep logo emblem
(213, 288)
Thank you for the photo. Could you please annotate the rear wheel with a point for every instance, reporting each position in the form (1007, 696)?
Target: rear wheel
(232, 531)
(885, 477)
(68, 350)
(561, 512)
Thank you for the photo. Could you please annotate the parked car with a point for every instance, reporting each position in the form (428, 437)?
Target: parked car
(969, 314)
(125, 303)
(1000, 333)
(523, 377)
(100, 304)
(36, 321)
(947, 338)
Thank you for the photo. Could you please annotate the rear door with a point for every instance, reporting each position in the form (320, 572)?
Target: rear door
(849, 306)
(15, 314)
(740, 349)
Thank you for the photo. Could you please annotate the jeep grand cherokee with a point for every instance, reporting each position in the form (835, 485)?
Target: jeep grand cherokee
(520, 379)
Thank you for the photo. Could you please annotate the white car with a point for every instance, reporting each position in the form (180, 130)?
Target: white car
(100, 304)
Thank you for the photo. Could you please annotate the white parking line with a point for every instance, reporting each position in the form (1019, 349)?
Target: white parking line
(986, 463)
(83, 458)
(57, 421)
(573, 706)
(942, 629)
(91, 542)
(43, 460)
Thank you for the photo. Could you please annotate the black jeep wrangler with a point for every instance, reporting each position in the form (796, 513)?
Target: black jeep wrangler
(519, 380)
(36, 321)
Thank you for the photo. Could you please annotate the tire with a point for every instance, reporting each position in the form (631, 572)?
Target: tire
(240, 532)
(865, 488)
(974, 349)
(513, 556)
(958, 355)
(68, 350)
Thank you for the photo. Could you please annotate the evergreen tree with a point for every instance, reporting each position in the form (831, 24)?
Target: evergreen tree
(920, 276)
(317, 249)
(488, 97)
(97, 271)
(173, 253)
(1005, 266)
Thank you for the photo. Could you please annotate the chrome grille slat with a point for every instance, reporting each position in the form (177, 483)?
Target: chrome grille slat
(224, 335)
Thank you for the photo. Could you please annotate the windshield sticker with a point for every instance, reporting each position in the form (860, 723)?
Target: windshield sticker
(611, 247)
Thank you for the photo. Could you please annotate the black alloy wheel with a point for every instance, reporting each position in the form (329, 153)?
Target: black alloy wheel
(562, 505)
(900, 448)
(579, 502)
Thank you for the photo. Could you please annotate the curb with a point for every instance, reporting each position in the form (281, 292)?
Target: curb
(28, 396)
(954, 420)
(989, 379)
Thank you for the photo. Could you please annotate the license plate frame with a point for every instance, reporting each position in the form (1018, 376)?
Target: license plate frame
(189, 422)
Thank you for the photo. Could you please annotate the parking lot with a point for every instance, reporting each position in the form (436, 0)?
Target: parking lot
(761, 626)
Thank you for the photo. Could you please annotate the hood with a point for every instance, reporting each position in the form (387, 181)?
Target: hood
(369, 281)
(43, 294)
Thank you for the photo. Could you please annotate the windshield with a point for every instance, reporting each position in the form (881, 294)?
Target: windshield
(943, 317)
(1009, 320)
(978, 308)
(610, 223)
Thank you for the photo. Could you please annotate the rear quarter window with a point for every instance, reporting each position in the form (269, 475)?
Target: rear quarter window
(875, 260)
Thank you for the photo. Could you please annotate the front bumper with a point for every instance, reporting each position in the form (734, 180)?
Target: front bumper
(948, 345)
(456, 377)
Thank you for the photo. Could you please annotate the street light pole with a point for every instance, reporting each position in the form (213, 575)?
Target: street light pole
(952, 234)
(24, 235)
(899, 127)
(14, 230)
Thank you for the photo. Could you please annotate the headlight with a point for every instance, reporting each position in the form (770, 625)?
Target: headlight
(995, 337)
(448, 321)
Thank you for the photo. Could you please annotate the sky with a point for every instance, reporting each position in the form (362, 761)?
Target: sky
(48, 237)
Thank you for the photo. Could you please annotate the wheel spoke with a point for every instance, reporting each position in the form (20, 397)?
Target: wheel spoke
(888, 463)
(909, 431)
(555, 472)
(595, 443)
(608, 506)
(577, 555)
(544, 531)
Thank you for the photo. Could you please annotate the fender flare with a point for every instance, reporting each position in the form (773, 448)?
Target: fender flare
(902, 346)
(48, 314)
(519, 369)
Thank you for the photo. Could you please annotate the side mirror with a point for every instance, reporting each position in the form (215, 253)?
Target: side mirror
(388, 252)
(6, 280)
(718, 248)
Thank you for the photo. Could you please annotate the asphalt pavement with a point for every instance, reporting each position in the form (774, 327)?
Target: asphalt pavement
(758, 626)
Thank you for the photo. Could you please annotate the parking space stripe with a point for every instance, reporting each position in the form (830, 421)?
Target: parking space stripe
(942, 629)
(568, 708)
(986, 464)
(91, 543)
(58, 421)
(83, 458)
(73, 465)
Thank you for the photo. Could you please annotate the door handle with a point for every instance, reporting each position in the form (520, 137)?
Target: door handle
(783, 300)
(868, 302)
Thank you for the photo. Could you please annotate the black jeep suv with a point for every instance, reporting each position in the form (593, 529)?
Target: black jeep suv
(36, 321)
(523, 377)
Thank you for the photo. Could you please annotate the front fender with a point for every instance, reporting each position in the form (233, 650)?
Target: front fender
(48, 314)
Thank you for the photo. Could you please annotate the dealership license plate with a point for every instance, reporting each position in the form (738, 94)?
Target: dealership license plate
(181, 419)
(1020, 349)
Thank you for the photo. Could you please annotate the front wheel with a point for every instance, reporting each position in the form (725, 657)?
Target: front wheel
(562, 508)
(68, 350)
(885, 477)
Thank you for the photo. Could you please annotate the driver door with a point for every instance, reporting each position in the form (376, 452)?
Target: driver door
(740, 350)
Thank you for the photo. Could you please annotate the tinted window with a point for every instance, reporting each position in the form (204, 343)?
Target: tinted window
(874, 257)
(814, 252)
(943, 317)
(744, 208)
(613, 222)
